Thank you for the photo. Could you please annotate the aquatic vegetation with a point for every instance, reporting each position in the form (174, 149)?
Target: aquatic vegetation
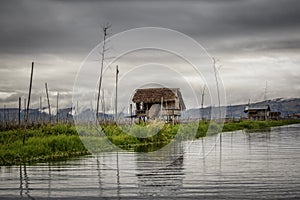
(62, 141)
(43, 144)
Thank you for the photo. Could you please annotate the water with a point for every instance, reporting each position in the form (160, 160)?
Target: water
(234, 165)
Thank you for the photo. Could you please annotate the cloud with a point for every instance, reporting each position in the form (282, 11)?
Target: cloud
(254, 40)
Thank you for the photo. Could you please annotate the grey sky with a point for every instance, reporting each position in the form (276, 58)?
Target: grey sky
(254, 40)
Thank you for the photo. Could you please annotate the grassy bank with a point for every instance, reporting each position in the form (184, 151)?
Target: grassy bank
(43, 144)
(128, 140)
(254, 126)
(54, 142)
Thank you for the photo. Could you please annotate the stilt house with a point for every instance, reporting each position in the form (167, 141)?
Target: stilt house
(154, 103)
(258, 113)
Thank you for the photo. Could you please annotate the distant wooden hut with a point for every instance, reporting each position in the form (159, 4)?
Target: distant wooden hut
(275, 115)
(154, 103)
(296, 116)
(258, 113)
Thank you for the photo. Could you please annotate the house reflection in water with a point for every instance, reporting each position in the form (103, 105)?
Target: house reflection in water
(161, 172)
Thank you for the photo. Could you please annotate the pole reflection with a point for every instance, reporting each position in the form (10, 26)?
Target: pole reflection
(24, 182)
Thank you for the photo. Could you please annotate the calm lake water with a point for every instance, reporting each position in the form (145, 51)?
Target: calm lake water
(235, 165)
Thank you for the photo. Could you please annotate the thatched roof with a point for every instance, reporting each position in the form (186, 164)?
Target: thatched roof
(154, 95)
(257, 108)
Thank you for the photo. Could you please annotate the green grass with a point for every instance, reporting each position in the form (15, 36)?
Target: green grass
(253, 126)
(61, 141)
(43, 144)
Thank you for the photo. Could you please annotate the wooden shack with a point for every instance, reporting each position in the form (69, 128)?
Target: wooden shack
(258, 113)
(155, 103)
(275, 115)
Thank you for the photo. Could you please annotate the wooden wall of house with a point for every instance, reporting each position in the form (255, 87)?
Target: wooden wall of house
(258, 115)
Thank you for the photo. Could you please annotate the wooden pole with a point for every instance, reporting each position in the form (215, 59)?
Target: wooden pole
(202, 102)
(161, 106)
(231, 115)
(167, 110)
(116, 100)
(41, 107)
(218, 90)
(103, 106)
(131, 113)
(28, 102)
(24, 110)
(77, 111)
(29, 93)
(7, 116)
(57, 107)
(19, 114)
(49, 107)
(105, 33)
(4, 115)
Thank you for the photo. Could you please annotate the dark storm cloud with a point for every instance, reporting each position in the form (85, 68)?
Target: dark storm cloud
(262, 14)
(32, 27)
(74, 26)
(58, 34)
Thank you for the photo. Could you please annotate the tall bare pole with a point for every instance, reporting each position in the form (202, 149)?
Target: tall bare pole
(77, 111)
(230, 110)
(41, 107)
(57, 107)
(29, 93)
(103, 105)
(202, 102)
(217, 84)
(7, 115)
(131, 113)
(105, 33)
(3, 119)
(4, 115)
(28, 102)
(24, 109)
(116, 100)
(19, 114)
(161, 106)
(49, 107)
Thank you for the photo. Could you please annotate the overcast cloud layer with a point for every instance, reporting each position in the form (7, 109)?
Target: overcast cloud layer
(254, 40)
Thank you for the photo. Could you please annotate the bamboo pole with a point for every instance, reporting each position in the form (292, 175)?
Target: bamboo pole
(202, 102)
(29, 94)
(24, 110)
(40, 113)
(105, 30)
(131, 113)
(28, 102)
(161, 106)
(103, 106)
(19, 114)
(217, 85)
(7, 116)
(49, 107)
(57, 107)
(4, 116)
(116, 100)
(77, 111)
